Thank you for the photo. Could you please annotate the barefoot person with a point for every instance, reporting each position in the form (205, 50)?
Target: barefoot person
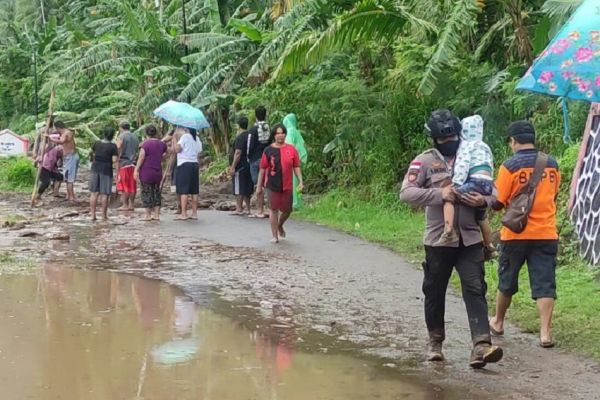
(149, 172)
(104, 157)
(537, 244)
(279, 163)
(71, 158)
(128, 145)
(187, 183)
(423, 185)
(240, 168)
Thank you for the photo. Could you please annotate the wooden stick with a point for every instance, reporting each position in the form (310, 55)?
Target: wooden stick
(49, 122)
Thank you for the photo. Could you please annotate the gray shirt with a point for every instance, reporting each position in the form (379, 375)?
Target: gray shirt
(422, 186)
(129, 148)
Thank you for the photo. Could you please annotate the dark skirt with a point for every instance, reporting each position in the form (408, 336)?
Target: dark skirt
(188, 178)
(281, 201)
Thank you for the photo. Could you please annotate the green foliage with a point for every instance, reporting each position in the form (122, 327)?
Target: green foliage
(16, 174)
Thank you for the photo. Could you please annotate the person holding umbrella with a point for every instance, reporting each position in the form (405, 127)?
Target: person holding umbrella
(279, 163)
(188, 147)
(187, 184)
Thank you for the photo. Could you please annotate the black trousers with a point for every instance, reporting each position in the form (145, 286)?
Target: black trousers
(46, 178)
(438, 266)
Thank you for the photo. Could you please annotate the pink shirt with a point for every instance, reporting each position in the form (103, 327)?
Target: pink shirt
(51, 158)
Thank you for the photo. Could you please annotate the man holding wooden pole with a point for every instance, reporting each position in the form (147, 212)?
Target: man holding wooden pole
(71, 158)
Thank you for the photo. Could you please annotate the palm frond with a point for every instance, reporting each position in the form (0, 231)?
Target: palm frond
(462, 20)
(371, 20)
(489, 36)
(560, 8)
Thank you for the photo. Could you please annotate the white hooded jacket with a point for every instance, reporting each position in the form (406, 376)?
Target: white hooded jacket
(473, 154)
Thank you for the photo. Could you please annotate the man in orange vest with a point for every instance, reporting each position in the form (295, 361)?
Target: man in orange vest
(538, 243)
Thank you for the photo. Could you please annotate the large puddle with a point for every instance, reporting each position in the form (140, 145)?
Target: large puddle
(83, 334)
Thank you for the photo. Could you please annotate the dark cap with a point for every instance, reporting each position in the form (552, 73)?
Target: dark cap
(520, 128)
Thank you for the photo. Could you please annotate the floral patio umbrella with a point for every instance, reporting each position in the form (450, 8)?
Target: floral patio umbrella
(570, 66)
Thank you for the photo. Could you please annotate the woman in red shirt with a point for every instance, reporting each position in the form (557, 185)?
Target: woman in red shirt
(278, 165)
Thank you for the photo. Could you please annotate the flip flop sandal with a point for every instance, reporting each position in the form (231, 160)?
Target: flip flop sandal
(548, 344)
(495, 332)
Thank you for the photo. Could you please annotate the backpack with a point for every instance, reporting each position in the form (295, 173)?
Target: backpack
(264, 133)
(517, 213)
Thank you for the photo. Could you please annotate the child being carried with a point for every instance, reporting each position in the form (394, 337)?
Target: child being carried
(473, 172)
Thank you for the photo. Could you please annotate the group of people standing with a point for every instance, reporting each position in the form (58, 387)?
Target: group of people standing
(453, 181)
(271, 158)
(142, 163)
(262, 157)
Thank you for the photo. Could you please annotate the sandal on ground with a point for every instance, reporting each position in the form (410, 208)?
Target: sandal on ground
(238, 213)
(495, 332)
(261, 216)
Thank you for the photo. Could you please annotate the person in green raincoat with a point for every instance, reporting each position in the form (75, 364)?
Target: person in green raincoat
(294, 137)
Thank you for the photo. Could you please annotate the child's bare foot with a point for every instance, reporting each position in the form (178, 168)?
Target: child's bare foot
(275, 240)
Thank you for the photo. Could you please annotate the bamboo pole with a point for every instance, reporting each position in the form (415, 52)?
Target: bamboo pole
(44, 140)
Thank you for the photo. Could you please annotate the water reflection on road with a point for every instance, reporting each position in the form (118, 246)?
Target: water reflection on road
(80, 334)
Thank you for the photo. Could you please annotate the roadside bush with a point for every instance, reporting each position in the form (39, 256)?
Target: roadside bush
(16, 173)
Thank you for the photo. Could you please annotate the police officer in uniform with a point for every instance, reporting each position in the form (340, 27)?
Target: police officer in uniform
(428, 184)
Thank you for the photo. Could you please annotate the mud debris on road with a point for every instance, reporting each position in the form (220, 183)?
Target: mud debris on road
(338, 295)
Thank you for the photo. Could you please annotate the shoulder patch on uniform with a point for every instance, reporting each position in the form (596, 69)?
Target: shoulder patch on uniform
(415, 166)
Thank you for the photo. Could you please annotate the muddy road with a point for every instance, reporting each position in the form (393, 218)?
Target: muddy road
(319, 293)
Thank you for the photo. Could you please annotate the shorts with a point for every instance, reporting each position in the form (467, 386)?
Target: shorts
(254, 170)
(281, 201)
(126, 182)
(540, 256)
(100, 183)
(242, 183)
(151, 196)
(482, 186)
(188, 178)
(70, 167)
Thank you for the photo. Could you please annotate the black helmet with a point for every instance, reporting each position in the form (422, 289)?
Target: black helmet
(442, 123)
